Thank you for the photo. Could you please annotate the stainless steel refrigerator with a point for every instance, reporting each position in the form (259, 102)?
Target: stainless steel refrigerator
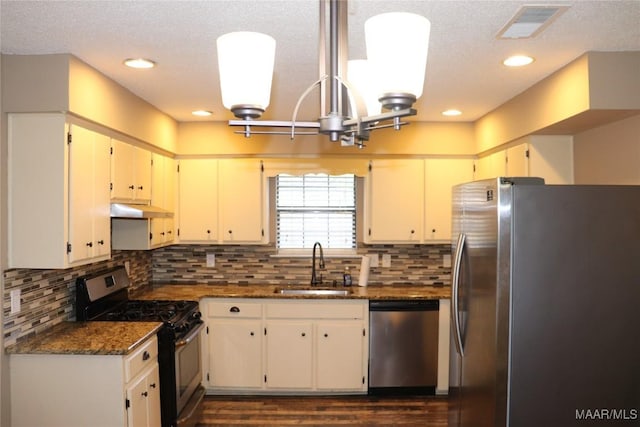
(546, 304)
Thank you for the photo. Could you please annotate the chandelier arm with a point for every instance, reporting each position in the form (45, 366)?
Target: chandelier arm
(302, 97)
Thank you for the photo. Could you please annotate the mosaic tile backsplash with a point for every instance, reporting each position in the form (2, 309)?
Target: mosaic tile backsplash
(410, 265)
(48, 296)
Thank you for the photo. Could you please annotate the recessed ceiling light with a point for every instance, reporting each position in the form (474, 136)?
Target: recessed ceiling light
(139, 63)
(517, 61)
(201, 113)
(451, 112)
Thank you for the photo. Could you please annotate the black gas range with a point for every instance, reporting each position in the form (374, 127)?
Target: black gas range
(104, 296)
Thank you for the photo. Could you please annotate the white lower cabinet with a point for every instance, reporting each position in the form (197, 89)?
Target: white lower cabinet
(286, 346)
(103, 391)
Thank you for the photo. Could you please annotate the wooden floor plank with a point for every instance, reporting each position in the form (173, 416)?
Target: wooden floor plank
(424, 411)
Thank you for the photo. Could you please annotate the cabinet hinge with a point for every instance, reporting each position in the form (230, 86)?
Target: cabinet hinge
(363, 380)
(68, 247)
(261, 166)
(127, 403)
(369, 232)
(69, 138)
(178, 168)
(207, 377)
(150, 236)
(178, 232)
(474, 167)
(364, 334)
(265, 378)
(111, 186)
(111, 150)
(262, 232)
(526, 154)
(207, 334)
(265, 331)
(370, 167)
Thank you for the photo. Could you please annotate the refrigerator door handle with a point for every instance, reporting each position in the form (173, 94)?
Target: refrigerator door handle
(457, 261)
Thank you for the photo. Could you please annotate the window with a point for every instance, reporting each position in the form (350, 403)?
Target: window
(316, 208)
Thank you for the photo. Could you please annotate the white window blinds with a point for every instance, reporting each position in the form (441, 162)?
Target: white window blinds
(316, 208)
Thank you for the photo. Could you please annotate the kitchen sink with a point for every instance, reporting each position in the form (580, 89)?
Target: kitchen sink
(313, 291)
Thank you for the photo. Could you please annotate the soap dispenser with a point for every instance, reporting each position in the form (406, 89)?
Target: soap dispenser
(346, 277)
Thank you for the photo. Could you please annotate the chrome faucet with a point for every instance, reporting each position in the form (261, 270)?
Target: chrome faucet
(314, 278)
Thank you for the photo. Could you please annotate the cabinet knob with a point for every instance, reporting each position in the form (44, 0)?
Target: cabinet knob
(169, 232)
(146, 355)
(101, 242)
(251, 333)
(131, 187)
(413, 231)
(162, 233)
(234, 309)
(326, 335)
(304, 334)
(90, 244)
(208, 231)
(152, 385)
(140, 188)
(433, 230)
(230, 232)
(144, 393)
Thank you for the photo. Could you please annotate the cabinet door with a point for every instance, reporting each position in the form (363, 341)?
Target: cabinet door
(491, 166)
(142, 177)
(122, 170)
(340, 347)
(289, 357)
(198, 198)
(143, 395)
(235, 353)
(89, 226)
(517, 160)
(153, 398)
(395, 202)
(440, 176)
(241, 200)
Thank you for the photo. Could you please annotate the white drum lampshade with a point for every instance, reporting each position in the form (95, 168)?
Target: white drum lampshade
(363, 81)
(245, 62)
(397, 45)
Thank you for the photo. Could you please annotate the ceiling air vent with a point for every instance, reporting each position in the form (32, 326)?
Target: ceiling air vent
(529, 21)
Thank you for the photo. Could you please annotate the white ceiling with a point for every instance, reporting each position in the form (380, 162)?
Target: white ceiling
(464, 67)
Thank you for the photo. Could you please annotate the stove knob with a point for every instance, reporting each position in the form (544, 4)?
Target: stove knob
(196, 315)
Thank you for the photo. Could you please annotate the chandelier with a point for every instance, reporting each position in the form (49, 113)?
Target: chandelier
(392, 77)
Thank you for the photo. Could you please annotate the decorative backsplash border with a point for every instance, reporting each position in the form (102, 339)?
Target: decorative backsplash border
(48, 296)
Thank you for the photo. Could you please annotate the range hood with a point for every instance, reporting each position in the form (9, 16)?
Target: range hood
(130, 210)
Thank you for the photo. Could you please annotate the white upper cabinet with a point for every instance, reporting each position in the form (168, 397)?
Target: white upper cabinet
(546, 156)
(241, 201)
(163, 177)
(394, 201)
(59, 193)
(130, 172)
(198, 200)
(440, 176)
(221, 201)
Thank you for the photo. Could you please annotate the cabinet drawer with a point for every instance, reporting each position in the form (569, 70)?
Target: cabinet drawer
(142, 357)
(315, 310)
(234, 308)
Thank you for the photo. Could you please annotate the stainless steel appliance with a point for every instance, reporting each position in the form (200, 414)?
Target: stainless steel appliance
(104, 296)
(546, 289)
(403, 346)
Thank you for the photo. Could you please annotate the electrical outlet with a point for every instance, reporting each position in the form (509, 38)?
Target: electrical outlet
(386, 260)
(211, 260)
(15, 301)
(374, 260)
(446, 261)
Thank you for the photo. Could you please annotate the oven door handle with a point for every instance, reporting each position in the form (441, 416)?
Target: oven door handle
(190, 337)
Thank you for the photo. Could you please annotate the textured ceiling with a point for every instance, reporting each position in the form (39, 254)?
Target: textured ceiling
(463, 70)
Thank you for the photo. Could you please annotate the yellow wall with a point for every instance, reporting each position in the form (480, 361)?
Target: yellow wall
(415, 139)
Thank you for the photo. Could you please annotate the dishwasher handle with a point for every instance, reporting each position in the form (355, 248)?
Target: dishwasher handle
(404, 305)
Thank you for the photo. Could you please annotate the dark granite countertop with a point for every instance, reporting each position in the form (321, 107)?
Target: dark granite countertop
(91, 338)
(198, 291)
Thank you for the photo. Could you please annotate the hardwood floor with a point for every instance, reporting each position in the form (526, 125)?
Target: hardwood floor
(424, 411)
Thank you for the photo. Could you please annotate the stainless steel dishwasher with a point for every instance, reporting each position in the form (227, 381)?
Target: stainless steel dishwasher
(403, 346)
